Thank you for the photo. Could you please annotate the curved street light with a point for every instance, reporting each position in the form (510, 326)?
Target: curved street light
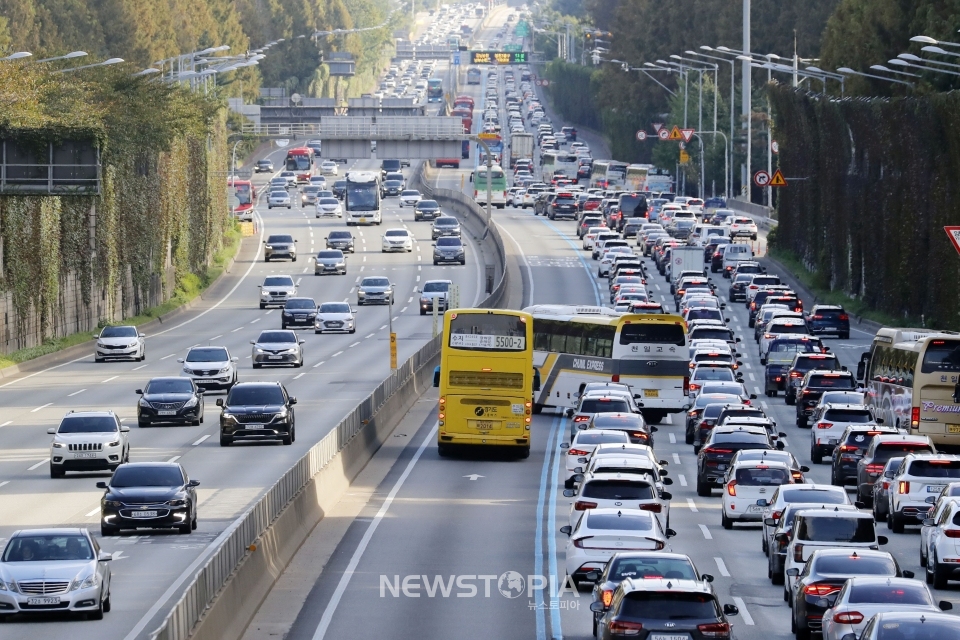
(67, 56)
(95, 64)
(19, 55)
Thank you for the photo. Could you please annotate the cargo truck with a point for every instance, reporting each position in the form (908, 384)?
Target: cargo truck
(521, 147)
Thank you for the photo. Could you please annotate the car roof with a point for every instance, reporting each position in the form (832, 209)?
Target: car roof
(155, 463)
(733, 428)
(903, 438)
(761, 463)
(51, 531)
(258, 383)
(614, 475)
(103, 413)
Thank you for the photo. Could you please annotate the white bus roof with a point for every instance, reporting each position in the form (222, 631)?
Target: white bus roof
(362, 176)
(910, 338)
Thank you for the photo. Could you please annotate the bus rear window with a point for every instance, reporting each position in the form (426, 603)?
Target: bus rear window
(653, 333)
(487, 332)
(941, 355)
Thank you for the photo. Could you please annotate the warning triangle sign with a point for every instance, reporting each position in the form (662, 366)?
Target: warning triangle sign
(954, 234)
(675, 133)
(687, 134)
(777, 180)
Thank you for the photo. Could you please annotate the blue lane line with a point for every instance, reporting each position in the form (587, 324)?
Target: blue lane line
(538, 540)
(552, 537)
(578, 253)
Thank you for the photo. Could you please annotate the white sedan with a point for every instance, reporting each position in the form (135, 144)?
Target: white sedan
(335, 316)
(583, 444)
(410, 198)
(329, 168)
(397, 240)
(600, 533)
(329, 207)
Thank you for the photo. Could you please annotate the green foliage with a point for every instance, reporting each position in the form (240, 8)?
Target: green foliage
(569, 83)
(868, 220)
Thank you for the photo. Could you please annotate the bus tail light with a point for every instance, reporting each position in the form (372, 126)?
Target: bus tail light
(615, 377)
(904, 487)
(915, 418)
(686, 385)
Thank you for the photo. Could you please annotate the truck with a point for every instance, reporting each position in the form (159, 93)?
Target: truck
(521, 147)
(685, 259)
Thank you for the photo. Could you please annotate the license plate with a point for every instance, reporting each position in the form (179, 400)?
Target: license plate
(651, 393)
(274, 357)
(953, 428)
(143, 514)
(754, 508)
(668, 636)
(483, 424)
(85, 454)
(935, 488)
(253, 426)
(721, 467)
(362, 220)
(42, 601)
(167, 413)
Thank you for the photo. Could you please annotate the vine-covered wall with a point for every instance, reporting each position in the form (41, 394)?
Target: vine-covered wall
(872, 183)
(72, 263)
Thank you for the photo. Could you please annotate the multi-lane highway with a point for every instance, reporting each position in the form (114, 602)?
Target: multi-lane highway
(431, 562)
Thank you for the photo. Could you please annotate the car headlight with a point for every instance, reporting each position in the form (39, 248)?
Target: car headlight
(224, 370)
(112, 504)
(91, 580)
(8, 586)
(133, 344)
(259, 350)
(144, 403)
(100, 344)
(176, 503)
(58, 445)
(269, 246)
(424, 300)
(291, 350)
(264, 294)
(361, 293)
(192, 402)
(115, 443)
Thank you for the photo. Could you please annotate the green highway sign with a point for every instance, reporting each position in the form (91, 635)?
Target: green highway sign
(512, 47)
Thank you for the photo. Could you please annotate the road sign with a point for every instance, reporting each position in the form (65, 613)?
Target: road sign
(954, 234)
(775, 147)
(657, 126)
(488, 136)
(539, 83)
(498, 57)
(641, 135)
(761, 179)
(687, 134)
(456, 59)
(684, 157)
(675, 134)
(393, 350)
(663, 134)
(777, 179)
(545, 82)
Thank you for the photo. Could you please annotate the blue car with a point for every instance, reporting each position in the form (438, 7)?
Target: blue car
(828, 318)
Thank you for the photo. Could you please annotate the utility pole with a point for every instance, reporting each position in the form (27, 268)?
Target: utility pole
(747, 87)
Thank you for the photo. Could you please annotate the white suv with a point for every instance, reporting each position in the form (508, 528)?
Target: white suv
(88, 441)
(745, 483)
(616, 490)
(828, 423)
(741, 227)
(943, 547)
(919, 477)
(210, 367)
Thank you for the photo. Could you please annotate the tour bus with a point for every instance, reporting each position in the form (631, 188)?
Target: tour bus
(473, 75)
(246, 193)
(576, 345)
(498, 186)
(362, 198)
(608, 174)
(636, 177)
(912, 381)
(555, 162)
(301, 161)
(486, 379)
(434, 90)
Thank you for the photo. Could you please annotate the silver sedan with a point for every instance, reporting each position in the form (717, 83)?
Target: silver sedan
(277, 347)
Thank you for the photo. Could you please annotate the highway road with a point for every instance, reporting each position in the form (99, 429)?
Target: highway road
(151, 569)
(472, 520)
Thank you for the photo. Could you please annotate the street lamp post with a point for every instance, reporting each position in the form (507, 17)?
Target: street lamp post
(733, 63)
(878, 67)
(95, 64)
(68, 56)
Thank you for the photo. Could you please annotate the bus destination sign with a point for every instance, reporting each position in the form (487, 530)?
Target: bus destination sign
(498, 57)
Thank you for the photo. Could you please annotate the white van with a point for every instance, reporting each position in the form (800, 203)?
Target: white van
(735, 253)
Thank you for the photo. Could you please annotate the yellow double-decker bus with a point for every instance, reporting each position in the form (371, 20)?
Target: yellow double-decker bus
(486, 380)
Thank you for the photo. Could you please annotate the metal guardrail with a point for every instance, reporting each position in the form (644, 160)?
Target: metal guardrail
(234, 548)
(291, 130)
(392, 128)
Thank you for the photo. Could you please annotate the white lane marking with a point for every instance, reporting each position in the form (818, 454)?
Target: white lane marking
(109, 379)
(722, 567)
(336, 354)
(673, 439)
(237, 329)
(365, 541)
(526, 263)
(383, 327)
(168, 356)
(200, 441)
(353, 345)
(676, 458)
(693, 507)
(4, 483)
(753, 378)
(369, 336)
(418, 278)
(683, 480)
(174, 459)
(6, 423)
(706, 532)
(763, 404)
(298, 376)
(747, 618)
(138, 368)
(42, 462)
(410, 299)
(747, 365)
(75, 393)
(255, 320)
(403, 310)
(215, 337)
(93, 513)
(756, 390)
(41, 407)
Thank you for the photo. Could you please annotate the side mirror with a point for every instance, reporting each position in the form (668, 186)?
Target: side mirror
(577, 477)
(770, 522)
(124, 429)
(723, 305)
(569, 493)
(201, 391)
(945, 605)
(180, 360)
(737, 340)
(781, 434)
(753, 396)
(353, 310)
(793, 572)
(654, 429)
(859, 505)
(908, 574)
(142, 335)
(52, 430)
(824, 603)
(706, 577)
(219, 402)
(592, 576)
(234, 359)
(780, 445)
(105, 557)
(569, 413)
(253, 342)
(928, 522)
(582, 426)
(578, 469)
(597, 607)
(663, 463)
(302, 342)
(566, 445)
(931, 500)
(670, 533)
(567, 529)
(882, 540)
(101, 485)
(804, 469)
(193, 483)
(762, 502)
(666, 495)
(139, 392)
(879, 420)
(730, 610)
(436, 376)
(667, 482)
(293, 400)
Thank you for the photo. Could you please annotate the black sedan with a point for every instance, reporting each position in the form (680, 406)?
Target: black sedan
(257, 411)
(170, 400)
(298, 312)
(426, 210)
(148, 495)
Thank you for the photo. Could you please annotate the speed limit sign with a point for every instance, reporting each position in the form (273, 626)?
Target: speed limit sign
(641, 135)
(663, 134)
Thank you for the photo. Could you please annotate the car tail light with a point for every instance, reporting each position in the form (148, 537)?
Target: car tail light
(625, 628)
(904, 487)
(615, 377)
(821, 590)
(693, 386)
(710, 450)
(844, 317)
(795, 374)
(848, 447)
(848, 617)
(583, 505)
(776, 515)
(716, 255)
(753, 306)
(581, 419)
(825, 425)
(653, 507)
(915, 418)
(715, 630)
(578, 543)
(577, 452)
(798, 553)
(886, 485)
(732, 487)
(874, 468)
(818, 317)
(606, 597)
(952, 533)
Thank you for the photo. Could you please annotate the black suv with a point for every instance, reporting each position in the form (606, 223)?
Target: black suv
(298, 312)
(803, 362)
(542, 204)
(257, 411)
(264, 166)
(340, 189)
(851, 446)
(564, 205)
(719, 448)
(880, 451)
(814, 384)
(828, 318)
(162, 486)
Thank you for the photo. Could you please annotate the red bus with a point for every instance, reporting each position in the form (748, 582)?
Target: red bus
(301, 161)
(246, 193)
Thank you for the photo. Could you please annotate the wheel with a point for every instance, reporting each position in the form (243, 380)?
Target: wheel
(56, 472)
(263, 306)
(193, 523)
(939, 577)
(726, 522)
(195, 423)
(568, 483)
(443, 450)
(524, 451)
(257, 365)
(98, 614)
(766, 550)
(688, 438)
(845, 336)
(294, 259)
(107, 605)
(815, 455)
(225, 441)
(185, 529)
(923, 557)
(801, 422)
(896, 523)
(266, 258)
(107, 531)
(789, 398)
(288, 439)
(299, 364)
(537, 408)
(97, 359)
(142, 425)
(353, 330)
(704, 490)
(283, 325)
(423, 312)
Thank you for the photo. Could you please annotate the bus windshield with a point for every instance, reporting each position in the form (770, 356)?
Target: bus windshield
(362, 197)
(941, 355)
(297, 162)
(487, 332)
(244, 192)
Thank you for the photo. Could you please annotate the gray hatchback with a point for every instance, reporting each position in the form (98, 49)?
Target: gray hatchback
(279, 246)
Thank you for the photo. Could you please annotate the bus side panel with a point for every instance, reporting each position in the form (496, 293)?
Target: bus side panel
(563, 376)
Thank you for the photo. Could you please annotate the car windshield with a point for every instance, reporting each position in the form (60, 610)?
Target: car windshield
(651, 567)
(394, 233)
(927, 629)
(340, 235)
(621, 521)
(170, 385)
(410, 192)
(762, 476)
(47, 547)
(255, 395)
(331, 201)
(663, 605)
(278, 281)
(714, 373)
(900, 593)
(888, 450)
(829, 381)
(428, 204)
(305, 303)
(780, 357)
(617, 490)
(392, 183)
(88, 424)
(119, 332)
(436, 287)
(831, 529)
(375, 282)
(856, 565)
(334, 307)
(858, 416)
(446, 222)
(601, 437)
(842, 397)
(604, 405)
(935, 468)
(277, 336)
(449, 242)
(147, 476)
(311, 189)
(629, 421)
(207, 354)
(330, 255)
(279, 239)
(818, 496)
(739, 437)
(703, 333)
